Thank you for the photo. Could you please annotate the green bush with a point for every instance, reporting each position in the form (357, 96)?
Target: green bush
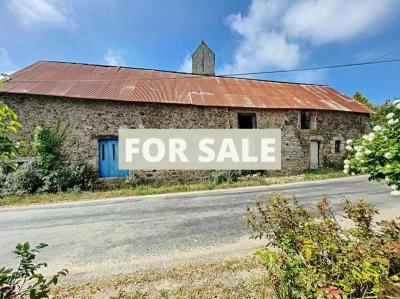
(80, 176)
(315, 257)
(47, 141)
(378, 153)
(227, 176)
(55, 181)
(28, 178)
(47, 173)
(25, 281)
(77, 176)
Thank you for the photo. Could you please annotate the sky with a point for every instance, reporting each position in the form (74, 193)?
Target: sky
(246, 36)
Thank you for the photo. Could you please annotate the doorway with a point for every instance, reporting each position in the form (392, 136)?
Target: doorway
(314, 154)
(108, 159)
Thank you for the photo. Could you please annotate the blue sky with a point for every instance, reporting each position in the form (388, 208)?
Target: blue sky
(246, 36)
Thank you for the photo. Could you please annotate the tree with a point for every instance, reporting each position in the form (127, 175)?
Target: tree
(379, 118)
(364, 100)
(378, 153)
(9, 148)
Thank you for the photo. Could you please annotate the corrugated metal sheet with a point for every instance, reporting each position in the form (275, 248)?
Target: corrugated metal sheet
(138, 85)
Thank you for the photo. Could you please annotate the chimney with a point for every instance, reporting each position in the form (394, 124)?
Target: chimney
(203, 60)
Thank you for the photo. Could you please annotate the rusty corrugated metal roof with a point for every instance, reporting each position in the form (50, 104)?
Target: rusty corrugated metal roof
(77, 80)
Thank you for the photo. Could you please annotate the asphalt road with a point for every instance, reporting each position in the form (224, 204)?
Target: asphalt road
(119, 235)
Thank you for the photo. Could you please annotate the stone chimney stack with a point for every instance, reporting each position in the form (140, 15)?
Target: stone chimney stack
(203, 60)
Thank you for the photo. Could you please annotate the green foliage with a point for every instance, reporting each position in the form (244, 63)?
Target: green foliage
(25, 281)
(379, 117)
(31, 178)
(9, 125)
(46, 173)
(378, 153)
(47, 141)
(363, 100)
(27, 179)
(77, 176)
(228, 176)
(315, 257)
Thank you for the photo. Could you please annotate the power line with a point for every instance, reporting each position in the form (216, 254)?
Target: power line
(349, 70)
(314, 68)
(226, 75)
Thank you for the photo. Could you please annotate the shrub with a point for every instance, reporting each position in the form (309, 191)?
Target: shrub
(28, 178)
(31, 178)
(223, 176)
(315, 257)
(378, 153)
(55, 181)
(25, 281)
(81, 176)
(47, 141)
(77, 176)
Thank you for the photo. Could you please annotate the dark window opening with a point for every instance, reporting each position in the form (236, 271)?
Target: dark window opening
(113, 151)
(305, 119)
(247, 121)
(337, 146)
(103, 154)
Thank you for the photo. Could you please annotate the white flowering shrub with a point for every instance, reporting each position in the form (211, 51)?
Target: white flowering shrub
(378, 153)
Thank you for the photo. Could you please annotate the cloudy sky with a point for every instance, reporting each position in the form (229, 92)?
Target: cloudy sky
(246, 36)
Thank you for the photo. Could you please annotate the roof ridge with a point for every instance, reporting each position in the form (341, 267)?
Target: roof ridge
(182, 73)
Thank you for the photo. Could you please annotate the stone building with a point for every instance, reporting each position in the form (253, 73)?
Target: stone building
(97, 100)
(203, 60)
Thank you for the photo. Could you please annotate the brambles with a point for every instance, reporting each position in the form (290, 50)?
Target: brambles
(315, 257)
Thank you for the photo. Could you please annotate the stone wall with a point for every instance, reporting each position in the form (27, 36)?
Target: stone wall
(91, 120)
(203, 61)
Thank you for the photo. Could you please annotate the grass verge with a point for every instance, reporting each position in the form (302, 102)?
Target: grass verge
(149, 190)
(240, 278)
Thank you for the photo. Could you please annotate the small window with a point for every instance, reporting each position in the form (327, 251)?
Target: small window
(305, 119)
(113, 151)
(103, 152)
(337, 146)
(247, 121)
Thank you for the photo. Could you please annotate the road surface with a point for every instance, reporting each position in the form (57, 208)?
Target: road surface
(106, 237)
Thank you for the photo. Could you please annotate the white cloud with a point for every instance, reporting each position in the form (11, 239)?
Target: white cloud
(325, 21)
(41, 12)
(261, 44)
(186, 65)
(114, 57)
(278, 34)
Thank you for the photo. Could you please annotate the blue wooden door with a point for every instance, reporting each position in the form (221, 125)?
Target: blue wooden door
(108, 159)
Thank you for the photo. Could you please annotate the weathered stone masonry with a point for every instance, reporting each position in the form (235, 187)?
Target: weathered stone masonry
(92, 120)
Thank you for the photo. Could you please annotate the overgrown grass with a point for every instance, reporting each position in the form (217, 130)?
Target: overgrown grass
(238, 278)
(149, 190)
